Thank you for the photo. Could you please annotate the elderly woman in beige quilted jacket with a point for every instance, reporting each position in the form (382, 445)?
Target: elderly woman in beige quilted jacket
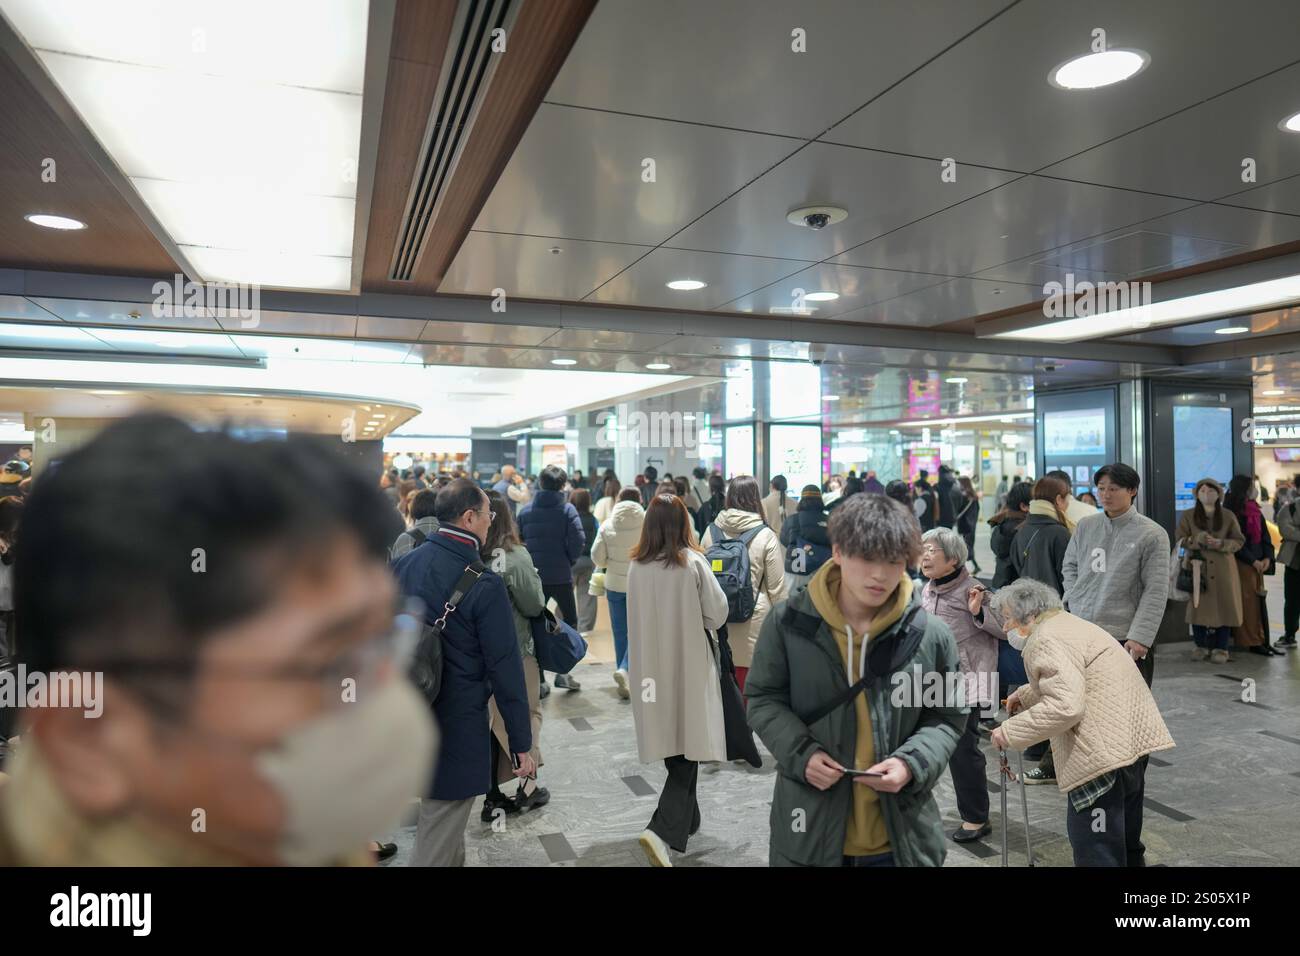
(1087, 696)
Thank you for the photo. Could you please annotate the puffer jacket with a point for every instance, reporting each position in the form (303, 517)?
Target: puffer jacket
(1085, 695)
(977, 640)
(797, 668)
(552, 532)
(615, 541)
(766, 576)
(525, 589)
(806, 530)
(1000, 538)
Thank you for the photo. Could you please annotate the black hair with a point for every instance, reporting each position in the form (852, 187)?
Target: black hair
(780, 484)
(424, 504)
(900, 491)
(1064, 476)
(456, 498)
(717, 486)
(651, 473)
(418, 471)
(1119, 474)
(922, 474)
(700, 472)
(552, 478)
(107, 570)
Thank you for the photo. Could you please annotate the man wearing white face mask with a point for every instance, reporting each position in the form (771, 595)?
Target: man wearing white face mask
(253, 710)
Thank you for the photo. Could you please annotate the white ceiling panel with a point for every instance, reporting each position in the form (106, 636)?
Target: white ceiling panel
(856, 287)
(948, 302)
(1283, 196)
(167, 342)
(988, 100)
(577, 174)
(24, 309)
(645, 283)
(732, 62)
(94, 312)
(525, 265)
(1202, 233)
(1199, 153)
(1019, 219)
(880, 191)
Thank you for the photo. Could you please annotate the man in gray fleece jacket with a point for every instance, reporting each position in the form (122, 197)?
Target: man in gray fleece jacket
(1116, 568)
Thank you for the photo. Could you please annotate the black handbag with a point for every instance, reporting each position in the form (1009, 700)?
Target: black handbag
(740, 739)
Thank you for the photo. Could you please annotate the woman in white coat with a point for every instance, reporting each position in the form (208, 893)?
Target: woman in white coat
(613, 551)
(744, 514)
(673, 602)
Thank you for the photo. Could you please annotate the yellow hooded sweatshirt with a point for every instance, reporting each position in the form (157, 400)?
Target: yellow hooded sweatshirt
(866, 834)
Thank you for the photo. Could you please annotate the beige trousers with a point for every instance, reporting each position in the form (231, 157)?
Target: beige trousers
(533, 679)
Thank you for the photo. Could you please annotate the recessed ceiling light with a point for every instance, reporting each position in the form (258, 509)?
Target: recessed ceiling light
(956, 380)
(686, 285)
(822, 296)
(564, 361)
(895, 431)
(1099, 69)
(658, 366)
(1291, 124)
(1274, 391)
(1231, 330)
(54, 222)
(830, 398)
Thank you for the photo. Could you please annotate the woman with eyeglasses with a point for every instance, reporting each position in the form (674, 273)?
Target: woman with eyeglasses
(504, 553)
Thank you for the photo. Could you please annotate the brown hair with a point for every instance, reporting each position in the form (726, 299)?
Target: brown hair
(580, 498)
(742, 493)
(666, 533)
(629, 494)
(502, 532)
(666, 487)
(1048, 488)
(612, 487)
(682, 487)
(405, 491)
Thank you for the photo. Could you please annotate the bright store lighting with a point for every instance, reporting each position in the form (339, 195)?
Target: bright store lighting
(564, 361)
(1096, 70)
(830, 398)
(1291, 124)
(1231, 330)
(54, 222)
(1254, 297)
(289, 92)
(956, 380)
(1274, 391)
(686, 285)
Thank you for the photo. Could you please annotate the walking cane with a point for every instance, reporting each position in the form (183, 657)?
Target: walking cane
(1024, 805)
(1004, 773)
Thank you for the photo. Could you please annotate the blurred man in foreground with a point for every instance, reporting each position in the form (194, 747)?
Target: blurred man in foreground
(253, 706)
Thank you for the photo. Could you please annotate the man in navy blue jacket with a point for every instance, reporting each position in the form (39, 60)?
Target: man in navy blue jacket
(480, 659)
(553, 535)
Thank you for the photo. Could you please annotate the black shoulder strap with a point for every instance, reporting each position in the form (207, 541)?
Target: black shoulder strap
(884, 658)
(418, 536)
(473, 571)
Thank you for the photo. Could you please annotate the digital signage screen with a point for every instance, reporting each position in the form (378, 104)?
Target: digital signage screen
(1202, 449)
(1075, 431)
(796, 452)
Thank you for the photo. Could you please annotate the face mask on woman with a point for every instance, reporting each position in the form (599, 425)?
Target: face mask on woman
(1207, 497)
(1017, 638)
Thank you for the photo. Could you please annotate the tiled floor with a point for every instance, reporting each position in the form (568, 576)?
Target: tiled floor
(1226, 795)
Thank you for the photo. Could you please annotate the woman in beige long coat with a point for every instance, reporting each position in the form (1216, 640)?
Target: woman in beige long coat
(1211, 532)
(673, 603)
(744, 513)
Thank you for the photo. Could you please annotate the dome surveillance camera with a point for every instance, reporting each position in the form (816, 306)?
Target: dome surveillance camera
(817, 354)
(816, 220)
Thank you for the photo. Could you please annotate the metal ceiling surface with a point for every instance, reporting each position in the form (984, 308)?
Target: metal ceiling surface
(1133, 179)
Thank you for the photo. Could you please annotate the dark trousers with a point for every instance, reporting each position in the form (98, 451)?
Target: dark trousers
(1291, 607)
(1147, 668)
(1113, 836)
(968, 773)
(1211, 638)
(678, 813)
(565, 603)
(878, 859)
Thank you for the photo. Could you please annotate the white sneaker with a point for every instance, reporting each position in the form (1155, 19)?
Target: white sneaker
(1199, 653)
(1219, 657)
(656, 850)
(620, 678)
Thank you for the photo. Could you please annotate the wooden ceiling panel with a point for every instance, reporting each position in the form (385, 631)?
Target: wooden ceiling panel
(537, 45)
(115, 240)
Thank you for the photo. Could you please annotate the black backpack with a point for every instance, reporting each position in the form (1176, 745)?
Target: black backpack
(729, 561)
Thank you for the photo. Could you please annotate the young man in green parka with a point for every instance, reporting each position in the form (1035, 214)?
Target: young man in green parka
(851, 674)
